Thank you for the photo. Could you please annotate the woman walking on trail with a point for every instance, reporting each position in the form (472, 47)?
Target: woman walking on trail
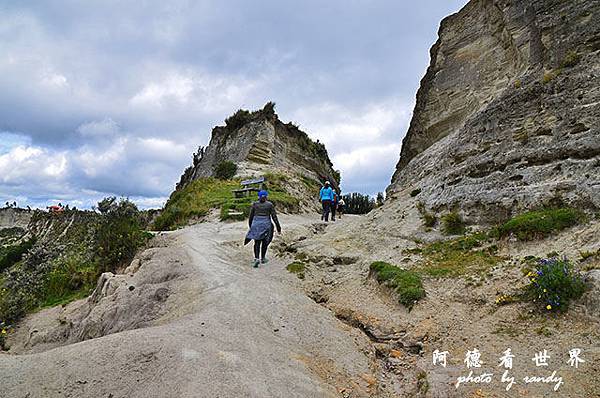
(326, 197)
(261, 228)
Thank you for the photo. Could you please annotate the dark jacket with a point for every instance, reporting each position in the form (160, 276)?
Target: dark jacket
(265, 208)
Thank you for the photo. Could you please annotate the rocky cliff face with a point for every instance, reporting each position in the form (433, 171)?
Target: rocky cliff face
(11, 217)
(259, 142)
(507, 116)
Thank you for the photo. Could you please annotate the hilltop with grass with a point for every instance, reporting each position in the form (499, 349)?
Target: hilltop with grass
(250, 145)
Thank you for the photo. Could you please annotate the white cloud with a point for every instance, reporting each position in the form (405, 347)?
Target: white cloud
(363, 169)
(54, 80)
(173, 87)
(363, 142)
(141, 168)
(31, 165)
(104, 127)
(339, 125)
(193, 91)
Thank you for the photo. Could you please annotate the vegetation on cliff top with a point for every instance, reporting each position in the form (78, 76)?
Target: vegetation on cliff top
(311, 148)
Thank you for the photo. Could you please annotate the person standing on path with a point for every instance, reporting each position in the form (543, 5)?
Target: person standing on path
(261, 227)
(326, 197)
(341, 205)
(334, 204)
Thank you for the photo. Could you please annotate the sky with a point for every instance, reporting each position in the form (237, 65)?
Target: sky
(111, 98)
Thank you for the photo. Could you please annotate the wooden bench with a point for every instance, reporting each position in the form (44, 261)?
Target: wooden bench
(247, 187)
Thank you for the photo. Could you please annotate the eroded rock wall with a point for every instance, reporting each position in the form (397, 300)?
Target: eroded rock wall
(507, 115)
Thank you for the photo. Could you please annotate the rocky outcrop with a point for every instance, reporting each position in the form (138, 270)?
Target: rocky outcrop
(507, 116)
(154, 288)
(259, 142)
(12, 217)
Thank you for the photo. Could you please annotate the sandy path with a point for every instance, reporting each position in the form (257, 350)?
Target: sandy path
(252, 334)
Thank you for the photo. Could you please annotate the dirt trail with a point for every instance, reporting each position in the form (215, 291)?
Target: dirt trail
(251, 333)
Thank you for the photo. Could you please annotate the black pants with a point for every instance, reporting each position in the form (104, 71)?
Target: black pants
(333, 206)
(326, 209)
(260, 248)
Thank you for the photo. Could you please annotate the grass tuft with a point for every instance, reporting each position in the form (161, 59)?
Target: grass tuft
(298, 268)
(456, 257)
(540, 223)
(453, 224)
(407, 284)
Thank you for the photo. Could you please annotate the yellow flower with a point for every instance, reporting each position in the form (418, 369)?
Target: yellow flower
(545, 290)
(3, 331)
(548, 307)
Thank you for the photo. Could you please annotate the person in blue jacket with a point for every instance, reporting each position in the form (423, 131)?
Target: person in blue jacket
(326, 197)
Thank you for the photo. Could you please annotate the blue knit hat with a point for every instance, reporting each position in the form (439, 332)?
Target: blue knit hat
(262, 193)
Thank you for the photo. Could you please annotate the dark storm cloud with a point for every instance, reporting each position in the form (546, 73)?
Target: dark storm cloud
(112, 97)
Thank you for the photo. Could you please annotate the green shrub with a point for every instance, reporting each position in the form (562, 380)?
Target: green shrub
(540, 223)
(298, 268)
(238, 119)
(407, 284)
(225, 170)
(119, 234)
(22, 284)
(453, 224)
(554, 284)
(415, 192)
(242, 116)
(10, 255)
(72, 277)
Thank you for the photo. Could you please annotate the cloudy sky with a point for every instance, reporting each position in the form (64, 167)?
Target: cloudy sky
(111, 97)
